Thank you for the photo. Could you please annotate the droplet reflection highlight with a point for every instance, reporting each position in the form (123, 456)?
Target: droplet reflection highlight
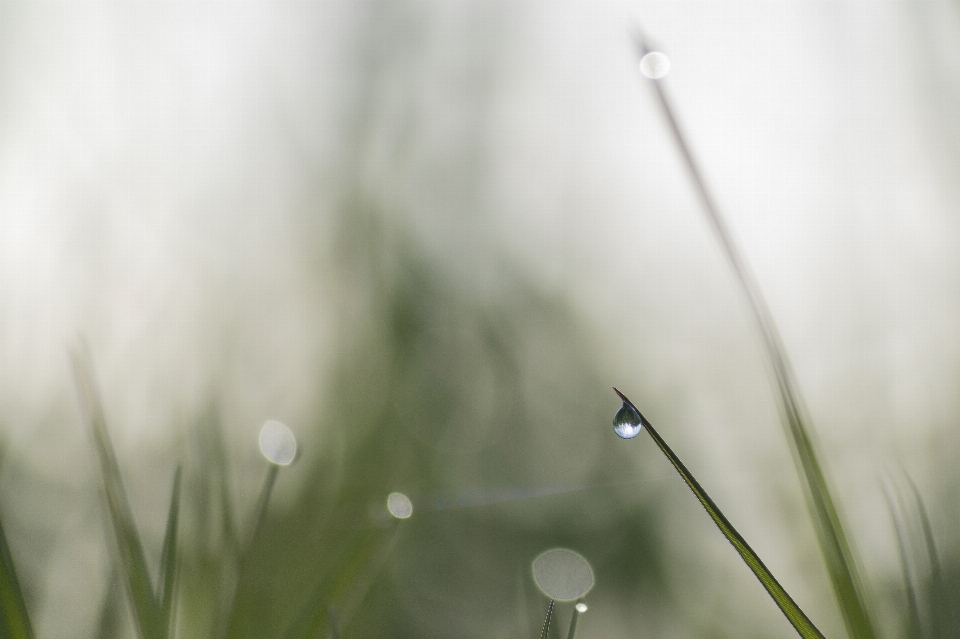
(277, 443)
(399, 505)
(581, 607)
(655, 65)
(562, 574)
(627, 423)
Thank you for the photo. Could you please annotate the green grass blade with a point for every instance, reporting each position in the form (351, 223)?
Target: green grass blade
(166, 576)
(838, 554)
(546, 622)
(14, 620)
(131, 560)
(787, 605)
(913, 605)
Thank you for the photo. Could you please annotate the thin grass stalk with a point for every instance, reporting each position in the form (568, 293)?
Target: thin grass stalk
(546, 622)
(572, 632)
(260, 512)
(837, 551)
(794, 614)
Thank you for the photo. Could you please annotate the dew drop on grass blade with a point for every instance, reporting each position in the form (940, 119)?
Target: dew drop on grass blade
(787, 605)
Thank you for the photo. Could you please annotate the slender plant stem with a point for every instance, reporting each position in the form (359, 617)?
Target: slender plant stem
(837, 551)
(546, 622)
(572, 633)
(260, 513)
(784, 601)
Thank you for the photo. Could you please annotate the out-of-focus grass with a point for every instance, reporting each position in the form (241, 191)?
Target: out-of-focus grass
(838, 551)
(15, 621)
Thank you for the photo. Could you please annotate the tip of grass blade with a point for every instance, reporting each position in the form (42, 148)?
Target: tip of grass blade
(794, 614)
(166, 576)
(128, 547)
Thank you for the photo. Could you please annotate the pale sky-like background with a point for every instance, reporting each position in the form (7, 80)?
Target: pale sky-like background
(164, 174)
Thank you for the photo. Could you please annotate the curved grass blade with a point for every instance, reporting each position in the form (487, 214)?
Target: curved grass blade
(168, 557)
(837, 552)
(14, 620)
(146, 609)
(546, 622)
(787, 605)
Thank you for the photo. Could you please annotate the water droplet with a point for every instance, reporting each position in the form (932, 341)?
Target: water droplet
(562, 574)
(581, 607)
(627, 422)
(277, 443)
(399, 505)
(655, 65)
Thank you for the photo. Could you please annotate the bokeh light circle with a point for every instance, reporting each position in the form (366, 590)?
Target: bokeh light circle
(277, 443)
(655, 65)
(399, 505)
(562, 574)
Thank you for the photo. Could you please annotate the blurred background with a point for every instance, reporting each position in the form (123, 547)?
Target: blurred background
(429, 237)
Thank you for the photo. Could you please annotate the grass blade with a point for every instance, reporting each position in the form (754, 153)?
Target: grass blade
(14, 620)
(838, 554)
(146, 609)
(168, 557)
(913, 605)
(546, 622)
(787, 605)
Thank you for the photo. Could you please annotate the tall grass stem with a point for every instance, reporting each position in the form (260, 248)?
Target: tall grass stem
(838, 553)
